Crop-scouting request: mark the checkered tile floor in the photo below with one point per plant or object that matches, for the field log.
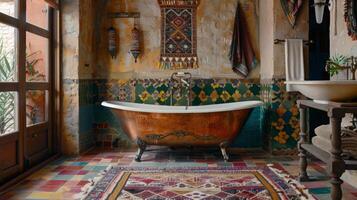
(67, 177)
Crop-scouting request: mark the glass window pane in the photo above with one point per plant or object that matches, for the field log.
(8, 51)
(37, 13)
(8, 112)
(36, 58)
(36, 107)
(8, 7)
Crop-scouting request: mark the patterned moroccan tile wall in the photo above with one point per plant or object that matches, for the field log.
(278, 119)
(203, 92)
(281, 118)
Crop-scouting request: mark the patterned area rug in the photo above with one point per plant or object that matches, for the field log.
(197, 183)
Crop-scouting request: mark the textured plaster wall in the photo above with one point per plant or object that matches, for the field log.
(266, 20)
(214, 30)
(274, 25)
(70, 62)
(341, 43)
(78, 61)
(70, 35)
(86, 40)
(283, 30)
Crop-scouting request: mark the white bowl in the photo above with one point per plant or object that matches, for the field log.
(324, 91)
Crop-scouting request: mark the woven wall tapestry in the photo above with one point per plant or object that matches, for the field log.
(178, 34)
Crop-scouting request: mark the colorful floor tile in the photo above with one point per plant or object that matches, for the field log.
(66, 178)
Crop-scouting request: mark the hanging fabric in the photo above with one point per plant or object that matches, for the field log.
(241, 54)
(291, 9)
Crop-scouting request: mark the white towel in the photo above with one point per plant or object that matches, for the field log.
(294, 61)
(324, 131)
(349, 151)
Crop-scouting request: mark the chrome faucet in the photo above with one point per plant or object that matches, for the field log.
(180, 82)
(351, 66)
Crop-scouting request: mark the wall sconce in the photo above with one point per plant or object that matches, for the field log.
(135, 43)
(319, 9)
(112, 42)
(135, 34)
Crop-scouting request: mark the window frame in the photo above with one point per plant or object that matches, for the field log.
(20, 86)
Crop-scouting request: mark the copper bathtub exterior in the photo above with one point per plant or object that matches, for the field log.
(194, 129)
(175, 129)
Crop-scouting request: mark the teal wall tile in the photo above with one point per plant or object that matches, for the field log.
(107, 124)
(251, 135)
(86, 117)
(86, 114)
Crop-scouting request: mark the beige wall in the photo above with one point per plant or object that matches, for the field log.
(78, 41)
(340, 42)
(86, 39)
(214, 30)
(70, 35)
(266, 21)
(283, 30)
(70, 62)
(274, 25)
(78, 60)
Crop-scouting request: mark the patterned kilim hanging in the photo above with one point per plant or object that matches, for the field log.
(178, 34)
(291, 9)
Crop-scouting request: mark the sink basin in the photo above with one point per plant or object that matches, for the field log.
(325, 91)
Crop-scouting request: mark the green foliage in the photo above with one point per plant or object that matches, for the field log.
(7, 99)
(31, 62)
(335, 63)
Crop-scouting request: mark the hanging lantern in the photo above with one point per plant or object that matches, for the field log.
(135, 45)
(112, 45)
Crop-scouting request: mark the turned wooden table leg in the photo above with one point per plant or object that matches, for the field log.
(302, 153)
(337, 165)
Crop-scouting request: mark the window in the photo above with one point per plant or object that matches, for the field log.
(8, 53)
(8, 7)
(37, 13)
(27, 81)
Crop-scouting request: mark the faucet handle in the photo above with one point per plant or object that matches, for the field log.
(181, 75)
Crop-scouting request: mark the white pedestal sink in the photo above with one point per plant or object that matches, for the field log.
(326, 91)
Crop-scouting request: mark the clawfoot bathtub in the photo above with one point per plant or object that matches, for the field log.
(175, 126)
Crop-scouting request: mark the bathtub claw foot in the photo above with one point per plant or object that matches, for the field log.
(223, 147)
(142, 146)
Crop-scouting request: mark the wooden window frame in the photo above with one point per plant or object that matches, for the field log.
(52, 84)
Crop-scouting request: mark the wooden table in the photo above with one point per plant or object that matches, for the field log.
(336, 165)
